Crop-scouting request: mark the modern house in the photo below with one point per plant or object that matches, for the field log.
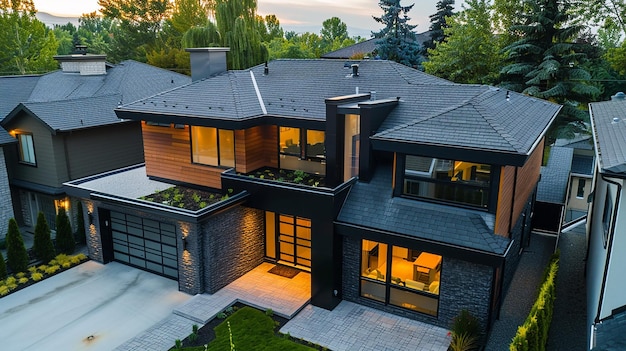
(606, 256)
(367, 48)
(6, 206)
(65, 127)
(581, 177)
(421, 194)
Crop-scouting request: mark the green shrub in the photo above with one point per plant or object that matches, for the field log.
(42, 245)
(36, 276)
(463, 342)
(4, 290)
(3, 267)
(16, 252)
(22, 280)
(65, 239)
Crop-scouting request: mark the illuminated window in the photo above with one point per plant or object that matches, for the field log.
(26, 148)
(412, 281)
(447, 180)
(212, 146)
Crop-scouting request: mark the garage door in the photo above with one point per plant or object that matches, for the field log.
(144, 243)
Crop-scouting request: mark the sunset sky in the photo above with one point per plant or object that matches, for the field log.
(296, 15)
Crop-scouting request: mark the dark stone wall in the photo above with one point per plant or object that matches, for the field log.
(464, 285)
(233, 243)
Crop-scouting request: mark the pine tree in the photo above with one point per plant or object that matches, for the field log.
(547, 63)
(3, 267)
(17, 256)
(65, 239)
(80, 223)
(397, 40)
(438, 23)
(43, 247)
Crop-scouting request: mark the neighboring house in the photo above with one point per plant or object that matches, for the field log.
(552, 191)
(6, 205)
(429, 185)
(581, 177)
(367, 48)
(66, 128)
(606, 301)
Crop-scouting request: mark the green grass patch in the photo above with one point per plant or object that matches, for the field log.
(249, 329)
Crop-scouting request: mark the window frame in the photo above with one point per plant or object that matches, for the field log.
(607, 214)
(303, 152)
(218, 146)
(580, 191)
(30, 149)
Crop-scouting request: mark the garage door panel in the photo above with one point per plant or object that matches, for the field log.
(154, 257)
(118, 226)
(137, 231)
(120, 236)
(138, 262)
(154, 267)
(153, 245)
(121, 257)
(137, 253)
(152, 236)
(170, 272)
(166, 240)
(170, 262)
(135, 240)
(120, 247)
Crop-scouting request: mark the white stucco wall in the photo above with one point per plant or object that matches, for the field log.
(6, 205)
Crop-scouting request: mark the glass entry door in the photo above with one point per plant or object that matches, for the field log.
(294, 240)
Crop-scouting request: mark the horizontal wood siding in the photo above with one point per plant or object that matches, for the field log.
(167, 152)
(102, 149)
(527, 178)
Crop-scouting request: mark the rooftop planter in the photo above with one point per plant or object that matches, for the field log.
(186, 198)
(287, 176)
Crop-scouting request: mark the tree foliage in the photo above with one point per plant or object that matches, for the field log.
(438, 23)
(17, 258)
(239, 30)
(397, 39)
(42, 245)
(471, 53)
(65, 239)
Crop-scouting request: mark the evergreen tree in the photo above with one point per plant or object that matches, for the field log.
(3, 267)
(80, 223)
(65, 239)
(43, 247)
(397, 39)
(17, 256)
(545, 62)
(438, 23)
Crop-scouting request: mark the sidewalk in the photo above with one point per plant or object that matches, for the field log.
(567, 331)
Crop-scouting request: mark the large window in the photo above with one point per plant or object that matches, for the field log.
(447, 180)
(351, 146)
(26, 148)
(400, 276)
(302, 149)
(212, 146)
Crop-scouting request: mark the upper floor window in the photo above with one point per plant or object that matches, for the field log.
(26, 148)
(212, 146)
(303, 143)
(461, 182)
(580, 192)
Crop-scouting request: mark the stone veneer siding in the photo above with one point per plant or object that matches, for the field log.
(6, 205)
(464, 285)
(233, 244)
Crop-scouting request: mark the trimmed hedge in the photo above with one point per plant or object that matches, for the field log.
(65, 239)
(43, 247)
(17, 257)
(533, 334)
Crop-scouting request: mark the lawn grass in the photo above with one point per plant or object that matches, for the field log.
(250, 329)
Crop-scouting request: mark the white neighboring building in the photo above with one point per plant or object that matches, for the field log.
(606, 263)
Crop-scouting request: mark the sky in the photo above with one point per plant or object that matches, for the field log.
(297, 15)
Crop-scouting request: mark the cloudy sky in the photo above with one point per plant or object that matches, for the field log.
(296, 15)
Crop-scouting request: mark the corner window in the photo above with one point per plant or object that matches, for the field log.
(302, 149)
(580, 192)
(26, 148)
(400, 276)
(606, 216)
(212, 146)
(461, 182)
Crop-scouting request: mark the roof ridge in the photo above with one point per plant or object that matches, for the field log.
(70, 99)
(497, 127)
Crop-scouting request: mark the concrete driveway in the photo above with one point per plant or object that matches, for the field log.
(112, 303)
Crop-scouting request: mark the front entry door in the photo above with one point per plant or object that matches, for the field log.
(294, 240)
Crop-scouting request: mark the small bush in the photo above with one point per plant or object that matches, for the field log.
(20, 275)
(22, 280)
(10, 281)
(65, 238)
(52, 269)
(16, 252)
(43, 247)
(36, 276)
(4, 290)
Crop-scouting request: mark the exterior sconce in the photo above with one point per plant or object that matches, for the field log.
(90, 217)
(184, 243)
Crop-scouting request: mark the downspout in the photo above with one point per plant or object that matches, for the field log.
(609, 248)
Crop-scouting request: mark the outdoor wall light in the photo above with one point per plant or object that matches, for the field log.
(90, 217)
(184, 243)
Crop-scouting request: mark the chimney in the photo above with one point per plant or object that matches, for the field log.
(207, 62)
(618, 96)
(83, 63)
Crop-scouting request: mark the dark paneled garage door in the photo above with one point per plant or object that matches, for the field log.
(145, 243)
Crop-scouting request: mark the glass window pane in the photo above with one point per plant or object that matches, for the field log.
(26, 148)
(351, 146)
(315, 143)
(289, 140)
(374, 260)
(227, 148)
(414, 301)
(204, 145)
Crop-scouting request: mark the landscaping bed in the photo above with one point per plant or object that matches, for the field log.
(289, 176)
(187, 198)
(244, 328)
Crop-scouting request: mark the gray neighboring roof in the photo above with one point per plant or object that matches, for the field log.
(582, 164)
(6, 138)
(610, 333)
(608, 121)
(371, 205)
(367, 47)
(13, 90)
(581, 142)
(552, 187)
(67, 101)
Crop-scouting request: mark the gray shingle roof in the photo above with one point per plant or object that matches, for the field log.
(13, 90)
(371, 205)
(608, 121)
(367, 47)
(552, 187)
(61, 100)
(582, 164)
(6, 138)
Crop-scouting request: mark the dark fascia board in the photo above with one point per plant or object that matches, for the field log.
(611, 174)
(451, 152)
(356, 107)
(22, 108)
(224, 123)
(44, 189)
(444, 249)
(346, 99)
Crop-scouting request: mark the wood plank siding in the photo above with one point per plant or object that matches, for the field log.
(167, 151)
(510, 209)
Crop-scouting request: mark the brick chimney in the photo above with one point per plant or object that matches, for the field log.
(207, 62)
